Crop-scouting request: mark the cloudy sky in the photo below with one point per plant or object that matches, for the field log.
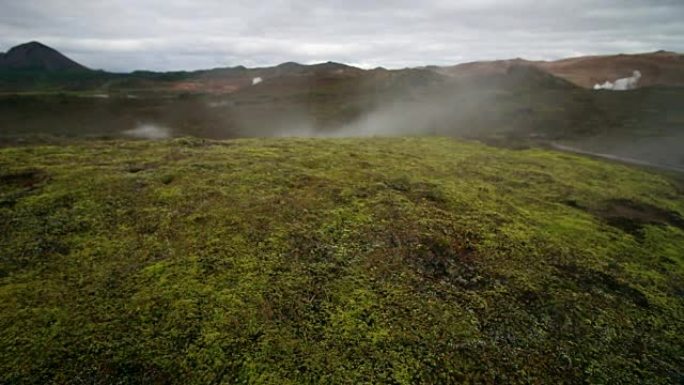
(190, 34)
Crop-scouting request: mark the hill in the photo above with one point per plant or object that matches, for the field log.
(658, 68)
(283, 261)
(36, 67)
(37, 56)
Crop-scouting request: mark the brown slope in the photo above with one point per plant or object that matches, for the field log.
(481, 68)
(276, 79)
(657, 68)
(506, 73)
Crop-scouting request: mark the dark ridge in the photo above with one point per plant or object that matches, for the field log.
(37, 56)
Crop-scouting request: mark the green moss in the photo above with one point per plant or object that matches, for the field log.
(404, 260)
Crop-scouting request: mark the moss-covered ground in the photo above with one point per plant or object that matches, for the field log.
(343, 261)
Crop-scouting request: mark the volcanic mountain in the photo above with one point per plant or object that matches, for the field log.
(37, 56)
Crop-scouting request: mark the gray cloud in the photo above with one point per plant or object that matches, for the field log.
(182, 34)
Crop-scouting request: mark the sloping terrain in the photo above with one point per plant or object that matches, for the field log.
(406, 260)
(660, 68)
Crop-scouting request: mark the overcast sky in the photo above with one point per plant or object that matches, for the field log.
(192, 34)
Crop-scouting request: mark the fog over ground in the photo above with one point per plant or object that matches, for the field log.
(179, 34)
(148, 131)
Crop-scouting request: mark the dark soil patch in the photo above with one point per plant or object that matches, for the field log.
(631, 216)
(23, 179)
(592, 280)
(441, 259)
(136, 168)
(418, 191)
(16, 185)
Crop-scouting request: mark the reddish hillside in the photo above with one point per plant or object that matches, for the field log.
(657, 68)
(481, 68)
(272, 79)
(515, 72)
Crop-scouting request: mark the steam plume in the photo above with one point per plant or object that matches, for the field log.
(623, 84)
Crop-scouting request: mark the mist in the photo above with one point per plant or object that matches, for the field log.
(455, 112)
(149, 131)
(516, 108)
(623, 84)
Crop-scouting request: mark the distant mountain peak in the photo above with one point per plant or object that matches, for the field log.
(665, 53)
(31, 44)
(35, 55)
(289, 64)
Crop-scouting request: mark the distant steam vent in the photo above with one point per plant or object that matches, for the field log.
(149, 131)
(257, 80)
(623, 84)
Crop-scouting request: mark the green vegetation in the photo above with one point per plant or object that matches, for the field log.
(406, 260)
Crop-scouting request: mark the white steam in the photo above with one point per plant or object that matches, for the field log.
(257, 80)
(623, 84)
(149, 131)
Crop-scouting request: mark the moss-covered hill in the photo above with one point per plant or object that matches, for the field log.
(336, 261)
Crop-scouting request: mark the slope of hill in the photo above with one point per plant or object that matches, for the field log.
(37, 56)
(480, 68)
(507, 74)
(294, 261)
(657, 68)
(287, 76)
